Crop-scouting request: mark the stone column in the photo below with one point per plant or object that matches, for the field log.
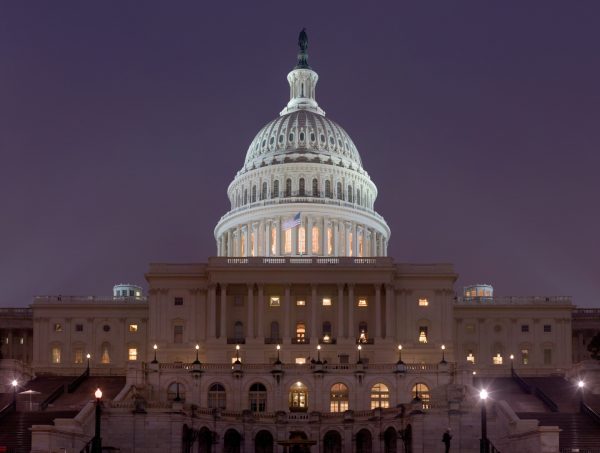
(355, 239)
(229, 243)
(295, 234)
(250, 323)
(279, 237)
(389, 310)
(223, 330)
(286, 314)
(247, 239)
(254, 231)
(315, 332)
(212, 312)
(260, 309)
(378, 311)
(373, 243)
(340, 304)
(351, 329)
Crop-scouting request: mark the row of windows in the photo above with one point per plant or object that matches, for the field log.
(58, 327)
(298, 396)
(547, 328)
(349, 194)
(523, 357)
(79, 354)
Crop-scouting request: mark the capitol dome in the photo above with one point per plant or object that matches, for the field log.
(302, 189)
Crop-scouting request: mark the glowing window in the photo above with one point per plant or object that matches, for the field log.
(243, 244)
(300, 332)
(380, 396)
(360, 245)
(274, 301)
(315, 240)
(338, 398)
(133, 328)
(301, 240)
(132, 354)
(497, 359)
(423, 302)
(326, 302)
(525, 356)
(362, 303)
(105, 354)
(421, 392)
(56, 354)
(471, 357)
(350, 244)
(300, 360)
(423, 334)
(300, 302)
(298, 398)
(252, 249)
(273, 241)
(329, 241)
(287, 247)
(58, 327)
(78, 355)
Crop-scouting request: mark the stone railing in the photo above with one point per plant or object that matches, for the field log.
(518, 300)
(16, 312)
(305, 260)
(586, 313)
(89, 300)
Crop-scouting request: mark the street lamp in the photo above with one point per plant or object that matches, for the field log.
(88, 357)
(443, 354)
(97, 441)
(196, 365)
(15, 383)
(319, 353)
(580, 385)
(400, 362)
(359, 347)
(484, 444)
(237, 354)
(155, 347)
(278, 362)
(512, 359)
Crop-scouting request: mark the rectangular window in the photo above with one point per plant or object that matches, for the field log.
(329, 241)
(362, 302)
(360, 246)
(471, 357)
(350, 244)
(547, 328)
(78, 327)
(132, 354)
(178, 301)
(497, 359)
(300, 360)
(315, 240)
(525, 356)
(287, 245)
(525, 328)
(300, 302)
(547, 356)
(178, 334)
(423, 334)
(273, 241)
(302, 240)
(423, 302)
(78, 355)
(252, 250)
(22, 340)
(58, 327)
(133, 328)
(327, 302)
(56, 355)
(274, 301)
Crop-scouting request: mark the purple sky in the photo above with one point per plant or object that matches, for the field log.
(122, 124)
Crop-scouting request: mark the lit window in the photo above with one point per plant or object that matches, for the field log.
(133, 328)
(380, 396)
(423, 302)
(78, 355)
(22, 340)
(423, 334)
(298, 398)
(274, 301)
(350, 244)
(252, 250)
(338, 398)
(178, 301)
(273, 241)
(105, 355)
(363, 336)
(301, 240)
(524, 356)
(497, 359)
(547, 328)
(300, 360)
(360, 245)
(56, 354)
(329, 241)
(132, 354)
(300, 332)
(326, 302)
(315, 240)
(138, 294)
(287, 247)
(300, 302)
(58, 327)
(178, 334)
(362, 303)
(243, 244)
(471, 357)
(421, 392)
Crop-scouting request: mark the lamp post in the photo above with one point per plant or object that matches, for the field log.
(97, 441)
(443, 354)
(196, 365)
(278, 362)
(15, 384)
(484, 444)
(580, 386)
(400, 362)
(319, 353)
(512, 367)
(155, 347)
(359, 347)
(88, 357)
(237, 354)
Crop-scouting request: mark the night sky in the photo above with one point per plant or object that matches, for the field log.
(122, 124)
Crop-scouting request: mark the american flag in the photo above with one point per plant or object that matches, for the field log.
(291, 222)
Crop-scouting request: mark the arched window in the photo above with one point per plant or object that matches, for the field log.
(350, 194)
(420, 391)
(340, 192)
(300, 332)
(176, 392)
(315, 188)
(288, 187)
(263, 195)
(328, 189)
(275, 332)
(338, 398)
(56, 354)
(275, 193)
(298, 400)
(326, 332)
(238, 332)
(216, 397)
(105, 353)
(258, 397)
(363, 332)
(301, 189)
(253, 194)
(380, 396)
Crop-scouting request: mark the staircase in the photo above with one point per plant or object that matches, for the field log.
(505, 388)
(578, 430)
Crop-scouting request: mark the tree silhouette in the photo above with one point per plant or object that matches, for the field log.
(594, 346)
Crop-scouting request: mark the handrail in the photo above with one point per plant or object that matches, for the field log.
(87, 448)
(10, 407)
(519, 380)
(78, 380)
(53, 396)
(550, 404)
(587, 410)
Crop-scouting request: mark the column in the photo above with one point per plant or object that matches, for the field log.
(212, 312)
(309, 223)
(315, 332)
(351, 328)
(378, 311)
(248, 229)
(254, 230)
(354, 239)
(279, 238)
(286, 314)
(229, 243)
(268, 238)
(373, 243)
(250, 322)
(260, 309)
(340, 304)
(389, 310)
(295, 232)
(223, 331)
